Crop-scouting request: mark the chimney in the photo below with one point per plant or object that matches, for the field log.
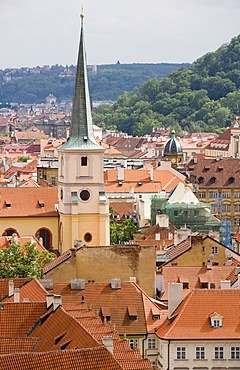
(107, 341)
(133, 279)
(181, 235)
(209, 265)
(77, 284)
(175, 296)
(162, 220)
(57, 301)
(116, 283)
(16, 295)
(49, 299)
(120, 175)
(225, 284)
(10, 287)
(46, 283)
(151, 173)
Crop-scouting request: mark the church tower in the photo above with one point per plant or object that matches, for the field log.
(83, 207)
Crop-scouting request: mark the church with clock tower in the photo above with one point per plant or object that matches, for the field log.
(82, 204)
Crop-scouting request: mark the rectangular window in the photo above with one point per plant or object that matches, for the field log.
(226, 207)
(237, 194)
(74, 197)
(83, 161)
(214, 250)
(203, 250)
(226, 194)
(202, 194)
(236, 207)
(181, 353)
(216, 323)
(213, 194)
(200, 353)
(151, 343)
(53, 181)
(133, 343)
(236, 221)
(235, 353)
(218, 353)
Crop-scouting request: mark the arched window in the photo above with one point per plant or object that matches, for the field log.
(84, 161)
(10, 232)
(46, 237)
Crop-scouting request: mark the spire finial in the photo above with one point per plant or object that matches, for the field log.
(82, 15)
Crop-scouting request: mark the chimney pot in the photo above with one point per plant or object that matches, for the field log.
(116, 283)
(10, 287)
(16, 295)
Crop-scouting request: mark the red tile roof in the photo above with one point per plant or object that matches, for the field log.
(85, 359)
(25, 203)
(191, 318)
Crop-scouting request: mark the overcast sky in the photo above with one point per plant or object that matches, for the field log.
(34, 32)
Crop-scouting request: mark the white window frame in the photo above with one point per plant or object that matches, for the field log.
(181, 353)
(216, 323)
(152, 343)
(235, 353)
(133, 343)
(219, 353)
(200, 353)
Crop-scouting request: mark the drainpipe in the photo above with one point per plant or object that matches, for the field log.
(168, 367)
(143, 347)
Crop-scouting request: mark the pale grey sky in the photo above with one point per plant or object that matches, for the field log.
(132, 31)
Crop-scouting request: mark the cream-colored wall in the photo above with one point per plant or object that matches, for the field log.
(101, 264)
(30, 225)
(191, 361)
(76, 226)
(196, 257)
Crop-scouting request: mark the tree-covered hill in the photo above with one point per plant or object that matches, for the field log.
(110, 81)
(203, 97)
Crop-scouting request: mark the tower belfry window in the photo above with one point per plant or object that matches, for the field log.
(84, 161)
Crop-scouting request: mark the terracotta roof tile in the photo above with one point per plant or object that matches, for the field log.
(86, 359)
(24, 203)
(192, 316)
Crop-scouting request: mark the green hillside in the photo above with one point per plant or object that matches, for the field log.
(203, 97)
(108, 83)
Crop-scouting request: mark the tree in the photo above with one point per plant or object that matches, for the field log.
(25, 260)
(121, 232)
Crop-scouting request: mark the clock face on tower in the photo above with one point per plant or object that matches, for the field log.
(84, 195)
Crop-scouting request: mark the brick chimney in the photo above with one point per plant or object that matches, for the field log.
(10, 287)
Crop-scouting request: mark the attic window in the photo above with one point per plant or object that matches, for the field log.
(200, 180)
(215, 320)
(206, 168)
(119, 183)
(139, 183)
(64, 346)
(8, 204)
(213, 180)
(57, 340)
(132, 312)
(106, 313)
(41, 203)
(156, 317)
(231, 180)
(155, 313)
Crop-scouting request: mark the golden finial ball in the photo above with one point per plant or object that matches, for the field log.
(81, 15)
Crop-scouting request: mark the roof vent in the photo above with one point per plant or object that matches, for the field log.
(116, 283)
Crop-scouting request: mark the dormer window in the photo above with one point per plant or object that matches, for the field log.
(106, 313)
(215, 320)
(8, 204)
(139, 183)
(213, 180)
(132, 312)
(41, 203)
(231, 180)
(200, 180)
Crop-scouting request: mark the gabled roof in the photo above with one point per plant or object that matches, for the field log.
(191, 319)
(117, 301)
